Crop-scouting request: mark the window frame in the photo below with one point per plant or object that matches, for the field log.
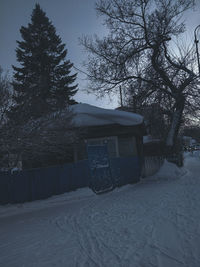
(105, 138)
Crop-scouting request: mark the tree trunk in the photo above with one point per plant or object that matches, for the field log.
(175, 125)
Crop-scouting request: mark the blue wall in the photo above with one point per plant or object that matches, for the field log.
(29, 185)
(125, 170)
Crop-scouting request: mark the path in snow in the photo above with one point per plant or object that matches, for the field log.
(153, 223)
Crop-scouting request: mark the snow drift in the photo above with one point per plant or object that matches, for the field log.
(168, 171)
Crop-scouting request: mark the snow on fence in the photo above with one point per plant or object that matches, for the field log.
(151, 165)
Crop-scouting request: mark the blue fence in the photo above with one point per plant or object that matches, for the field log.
(42, 183)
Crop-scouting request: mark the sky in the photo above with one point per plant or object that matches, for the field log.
(72, 19)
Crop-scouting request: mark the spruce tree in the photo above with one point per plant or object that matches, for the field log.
(42, 84)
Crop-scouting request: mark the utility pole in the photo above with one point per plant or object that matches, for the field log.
(196, 43)
(120, 92)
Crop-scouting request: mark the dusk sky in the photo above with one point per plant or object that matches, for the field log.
(72, 19)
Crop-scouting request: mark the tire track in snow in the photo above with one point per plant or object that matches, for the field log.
(179, 212)
(189, 223)
(93, 240)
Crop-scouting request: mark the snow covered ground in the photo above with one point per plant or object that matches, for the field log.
(153, 223)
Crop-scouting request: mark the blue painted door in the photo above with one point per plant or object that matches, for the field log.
(98, 158)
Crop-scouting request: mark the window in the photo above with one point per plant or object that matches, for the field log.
(111, 142)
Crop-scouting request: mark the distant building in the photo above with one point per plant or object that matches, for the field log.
(188, 141)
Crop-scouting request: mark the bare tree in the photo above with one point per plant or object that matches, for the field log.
(138, 48)
(157, 106)
(42, 142)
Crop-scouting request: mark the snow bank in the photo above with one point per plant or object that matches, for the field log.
(192, 161)
(168, 171)
(53, 201)
(88, 115)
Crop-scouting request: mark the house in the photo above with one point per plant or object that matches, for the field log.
(120, 132)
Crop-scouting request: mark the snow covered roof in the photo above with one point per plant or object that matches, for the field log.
(88, 115)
